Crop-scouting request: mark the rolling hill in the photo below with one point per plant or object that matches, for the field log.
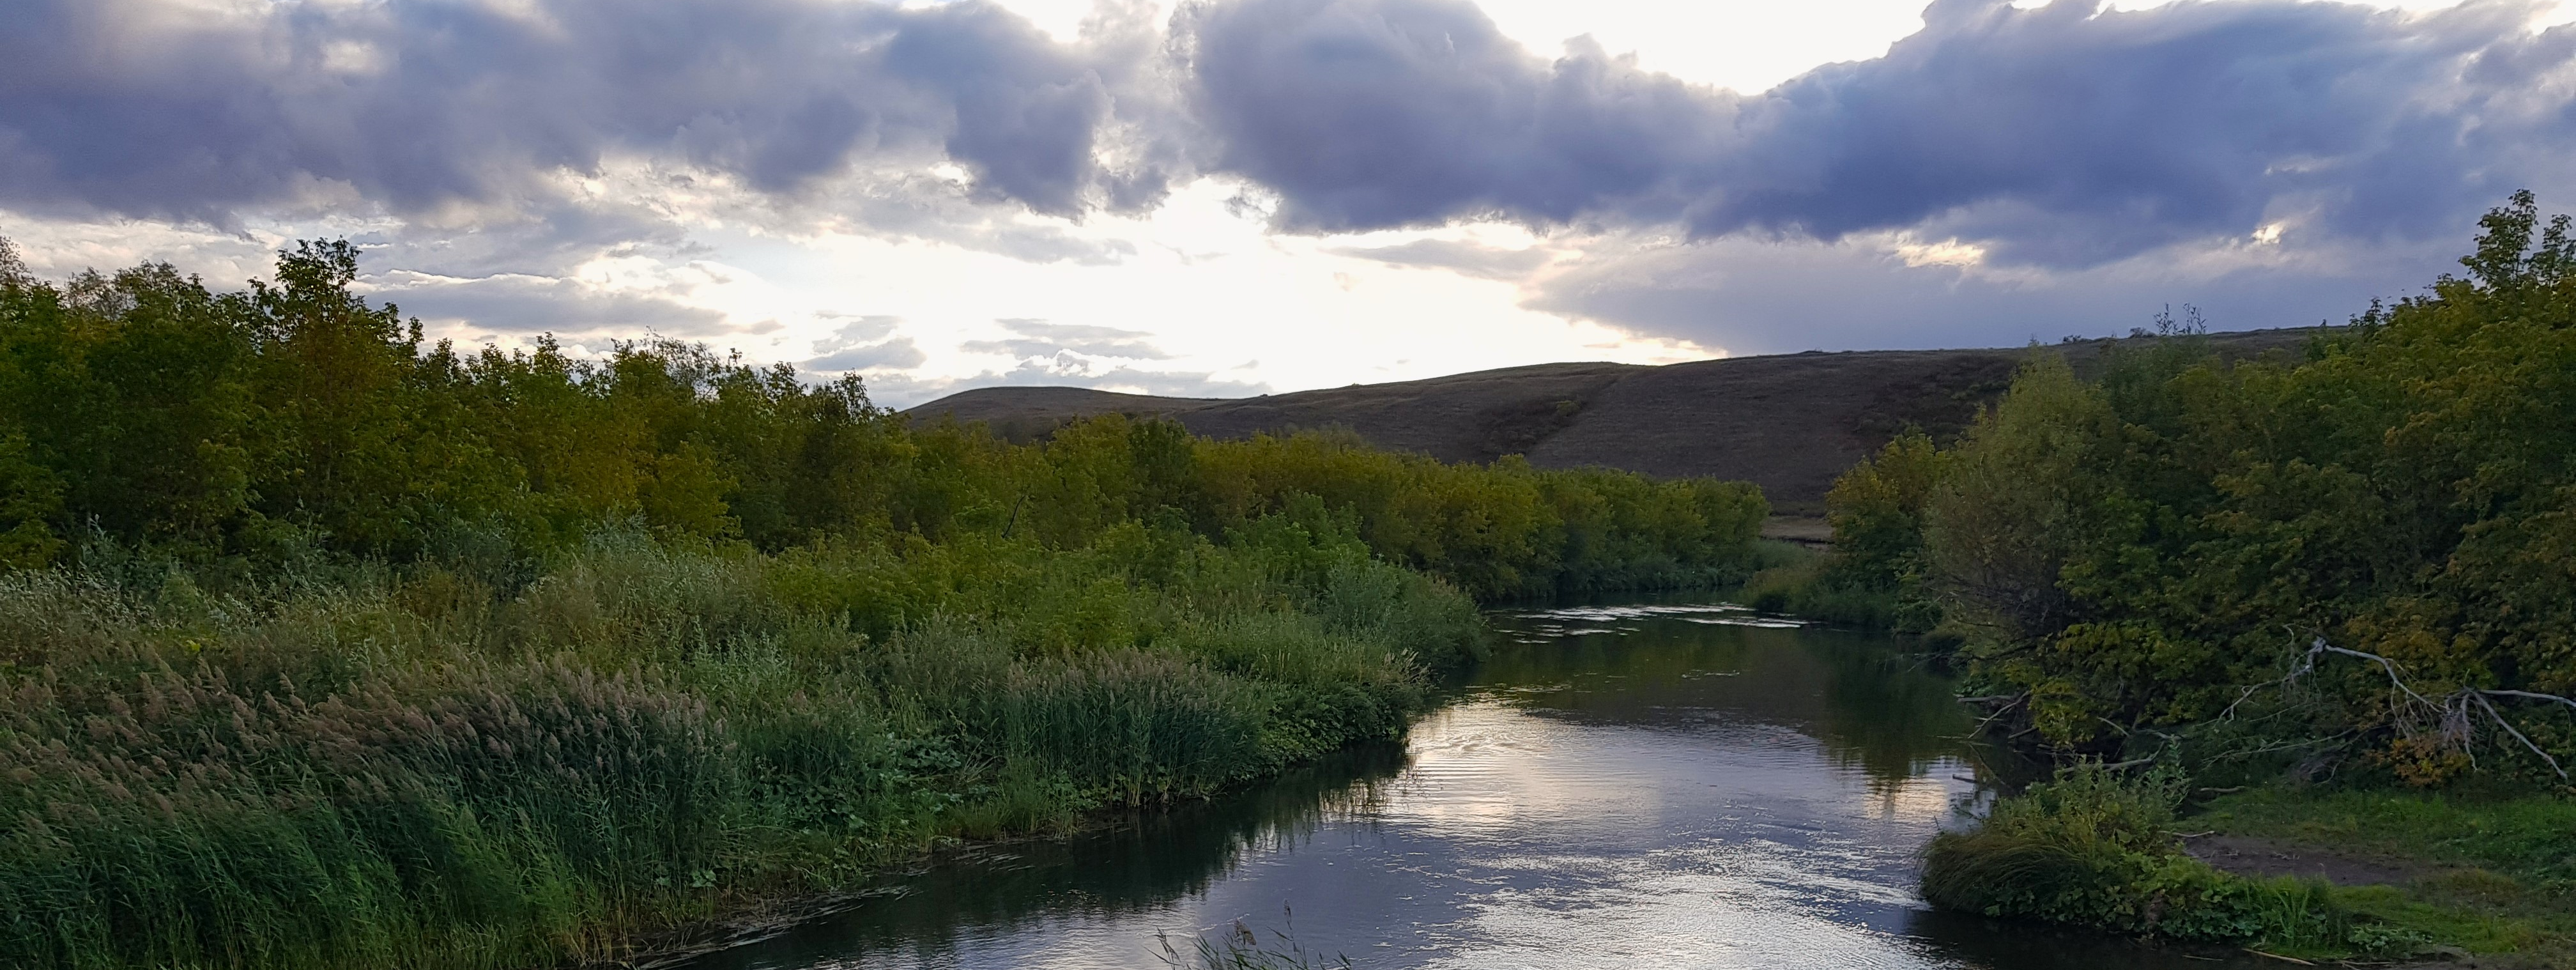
(1789, 423)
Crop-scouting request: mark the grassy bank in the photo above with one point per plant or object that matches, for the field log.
(2490, 872)
(381, 768)
(2097, 849)
(2438, 874)
(2341, 569)
(325, 645)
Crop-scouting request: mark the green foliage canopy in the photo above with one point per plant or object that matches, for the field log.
(2160, 545)
(296, 417)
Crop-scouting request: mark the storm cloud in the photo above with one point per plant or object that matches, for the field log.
(156, 109)
(2064, 135)
(518, 166)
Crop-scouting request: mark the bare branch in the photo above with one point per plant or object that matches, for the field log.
(2528, 695)
(2517, 735)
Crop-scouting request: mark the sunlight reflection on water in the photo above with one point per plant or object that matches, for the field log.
(1662, 785)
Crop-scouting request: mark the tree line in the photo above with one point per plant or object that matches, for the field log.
(297, 418)
(2357, 559)
(327, 645)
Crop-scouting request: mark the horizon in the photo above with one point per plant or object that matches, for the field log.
(1228, 199)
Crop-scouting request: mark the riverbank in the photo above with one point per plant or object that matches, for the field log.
(327, 645)
(2305, 873)
(2490, 874)
(418, 770)
(1669, 783)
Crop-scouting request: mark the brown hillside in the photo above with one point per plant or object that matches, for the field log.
(1789, 423)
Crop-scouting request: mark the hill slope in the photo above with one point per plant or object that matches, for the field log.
(1789, 423)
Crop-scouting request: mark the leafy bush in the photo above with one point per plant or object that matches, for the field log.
(2163, 546)
(2092, 848)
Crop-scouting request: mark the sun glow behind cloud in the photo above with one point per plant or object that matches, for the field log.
(1220, 305)
(927, 273)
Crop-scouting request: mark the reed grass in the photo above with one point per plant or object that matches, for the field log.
(452, 766)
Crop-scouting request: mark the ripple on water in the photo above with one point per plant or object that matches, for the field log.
(1673, 785)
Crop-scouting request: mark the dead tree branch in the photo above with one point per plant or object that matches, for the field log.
(2452, 714)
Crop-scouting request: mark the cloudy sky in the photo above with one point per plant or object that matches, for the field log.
(1228, 197)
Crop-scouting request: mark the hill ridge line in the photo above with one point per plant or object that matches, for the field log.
(1787, 422)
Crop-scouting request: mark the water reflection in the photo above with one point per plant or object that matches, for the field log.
(1685, 786)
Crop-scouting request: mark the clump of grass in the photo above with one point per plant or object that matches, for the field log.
(2095, 848)
(418, 767)
(1239, 948)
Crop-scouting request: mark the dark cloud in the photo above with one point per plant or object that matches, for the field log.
(1038, 338)
(1375, 113)
(2095, 149)
(139, 108)
(2072, 136)
(1752, 296)
(2065, 135)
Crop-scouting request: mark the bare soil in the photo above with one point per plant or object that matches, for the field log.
(2261, 858)
(1810, 531)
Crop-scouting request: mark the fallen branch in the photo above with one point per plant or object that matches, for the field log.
(2528, 695)
(1998, 713)
(2517, 735)
(2452, 712)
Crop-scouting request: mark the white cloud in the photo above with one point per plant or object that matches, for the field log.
(898, 266)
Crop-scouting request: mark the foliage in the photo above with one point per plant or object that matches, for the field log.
(2495, 870)
(2146, 557)
(2091, 848)
(2527, 838)
(255, 427)
(324, 645)
(1873, 578)
(394, 771)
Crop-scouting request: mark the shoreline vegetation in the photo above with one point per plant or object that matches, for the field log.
(327, 646)
(2320, 601)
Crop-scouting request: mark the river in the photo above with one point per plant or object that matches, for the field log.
(1674, 785)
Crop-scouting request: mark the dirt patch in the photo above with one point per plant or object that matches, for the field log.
(1814, 533)
(2259, 858)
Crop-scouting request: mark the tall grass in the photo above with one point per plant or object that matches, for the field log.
(445, 767)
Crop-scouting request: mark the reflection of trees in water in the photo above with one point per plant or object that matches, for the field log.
(1870, 705)
(1874, 707)
(1144, 864)
(1886, 715)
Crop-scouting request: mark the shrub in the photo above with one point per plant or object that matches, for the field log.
(2093, 848)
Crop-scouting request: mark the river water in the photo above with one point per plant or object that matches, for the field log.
(1671, 785)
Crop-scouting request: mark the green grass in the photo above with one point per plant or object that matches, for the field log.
(2497, 871)
(365, 767)
(2097, 849)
